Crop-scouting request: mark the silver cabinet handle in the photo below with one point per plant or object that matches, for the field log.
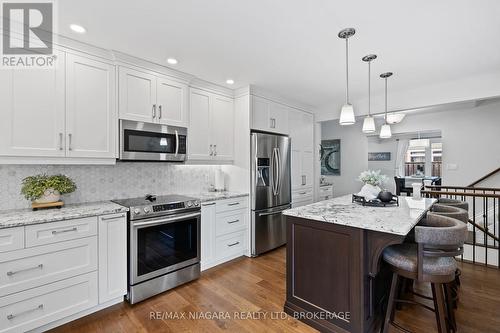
(10, 273)
(176, 142)
(302, 193)
(208, 204)
(211, 150)
(112, 217)
(159, 111)
(233, 204)
(273, 123)
(154, 111)
(231, 222)
(233, 244)
(55, 232)
(304, 182)
(12, 316)
(215, 150)
(69, 141)
(60, 141)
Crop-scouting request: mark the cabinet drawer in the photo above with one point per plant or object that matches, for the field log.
(301, 195)
(11, 239)
(33, 267)
(47, 233)
(231, 204)
(231, 221)
(325, 190)
(35, 307)
(230, 245)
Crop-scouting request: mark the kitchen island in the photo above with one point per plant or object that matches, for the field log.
(334, 278)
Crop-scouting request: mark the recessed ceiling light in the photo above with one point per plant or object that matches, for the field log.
(172, 61)
(78, 28)
(230, 81)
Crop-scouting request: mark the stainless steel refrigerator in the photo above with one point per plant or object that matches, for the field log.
(270, 190)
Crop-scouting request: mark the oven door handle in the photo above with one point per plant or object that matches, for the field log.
(167, 220)
(176, 142)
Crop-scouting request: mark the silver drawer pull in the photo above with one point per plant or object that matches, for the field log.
(10, 273)
(302, 193)
(233, 204)
(12, 316)
(55, 232)
(112, 217)
(230, 245)
(231, 222)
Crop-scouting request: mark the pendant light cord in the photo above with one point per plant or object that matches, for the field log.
(369, 89)
(385, 101)
(347, 70)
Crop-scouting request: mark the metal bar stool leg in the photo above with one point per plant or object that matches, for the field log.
(389, 314)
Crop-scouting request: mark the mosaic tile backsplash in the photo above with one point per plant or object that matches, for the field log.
(107, 182)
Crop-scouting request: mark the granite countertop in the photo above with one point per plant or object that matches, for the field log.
(22, 217)
(391, 219)
(213, 196)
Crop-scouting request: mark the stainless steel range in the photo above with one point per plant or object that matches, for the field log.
(163, 243)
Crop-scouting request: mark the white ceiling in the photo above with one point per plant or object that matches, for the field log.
(291, 47)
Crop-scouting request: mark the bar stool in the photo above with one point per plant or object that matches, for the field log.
(454, 203)
(438, 240)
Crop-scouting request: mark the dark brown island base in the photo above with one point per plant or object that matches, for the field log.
(335, 280)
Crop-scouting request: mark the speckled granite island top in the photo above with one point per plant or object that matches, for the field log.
(392, 219)
(22, 217)
(213, 196)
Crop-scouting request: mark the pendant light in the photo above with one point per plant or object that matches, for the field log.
(385, 130)
(347, 112)
(369, 122)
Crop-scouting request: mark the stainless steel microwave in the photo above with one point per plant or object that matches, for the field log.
(141, 141)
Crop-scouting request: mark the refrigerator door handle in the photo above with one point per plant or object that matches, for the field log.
(275, 172)
(278, 186)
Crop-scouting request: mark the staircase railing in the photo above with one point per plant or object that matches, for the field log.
(484, 177)
(484, 219)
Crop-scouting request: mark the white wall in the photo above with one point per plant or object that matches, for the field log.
(386, 167)
(354, 155)
(470, 136)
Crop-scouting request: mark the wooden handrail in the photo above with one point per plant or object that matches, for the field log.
(484, 177)
(464, 188)
(483, 229)
(462, 194)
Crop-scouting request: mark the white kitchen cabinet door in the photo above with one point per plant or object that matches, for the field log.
(260, 113)
(137, 95)
(278, 114)
(112, 257)
(32, 111)
(307, 168)
(222, 127)
(296, 169)
(301, 130)
(90, 108)
(208, 218)
(171, 100)
(308, 132)
(199, 129)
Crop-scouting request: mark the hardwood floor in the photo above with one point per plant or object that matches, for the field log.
(256, 287)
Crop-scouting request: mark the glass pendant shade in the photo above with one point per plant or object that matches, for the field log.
(369, 125)
(395, 118)
(385, 131)
(347, 115)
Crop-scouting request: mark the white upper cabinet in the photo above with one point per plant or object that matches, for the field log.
(137, 95)
(222, 127)
(171, 102)
(199, 146)
(32, 111)
(152, 98)
(211, 127)
(269, 116)
(90, 108)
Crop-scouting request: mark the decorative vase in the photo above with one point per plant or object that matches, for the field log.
(369, 192)
(49, 195)
(385, 196)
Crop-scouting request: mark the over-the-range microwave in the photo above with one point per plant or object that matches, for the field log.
(140, 141)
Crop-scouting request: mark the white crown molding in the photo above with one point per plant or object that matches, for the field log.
(256, 91)
(211, 87)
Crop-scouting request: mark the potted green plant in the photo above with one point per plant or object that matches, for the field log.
(372, 181)
(45, 189)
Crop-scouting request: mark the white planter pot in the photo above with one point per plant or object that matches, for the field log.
(50, 195)
(370, 192)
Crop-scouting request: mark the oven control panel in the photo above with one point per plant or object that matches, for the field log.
(167, 207)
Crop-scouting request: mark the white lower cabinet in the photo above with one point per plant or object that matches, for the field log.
(62, 269)
(224, 227)
(112, 257)
(35, 307)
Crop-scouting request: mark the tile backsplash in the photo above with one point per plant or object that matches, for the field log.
(106, 182)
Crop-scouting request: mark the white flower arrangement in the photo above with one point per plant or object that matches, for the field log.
(372, 177)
